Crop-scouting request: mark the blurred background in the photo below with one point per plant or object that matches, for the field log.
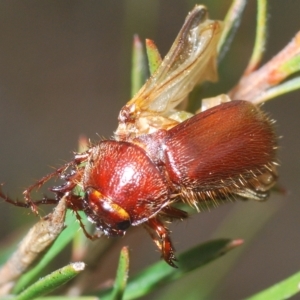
(65, 72)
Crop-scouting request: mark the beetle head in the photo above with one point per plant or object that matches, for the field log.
(108, 216)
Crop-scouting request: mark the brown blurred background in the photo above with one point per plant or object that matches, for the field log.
(65, 71)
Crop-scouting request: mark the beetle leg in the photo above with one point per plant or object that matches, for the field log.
(74, 203)
(71, 182)
(160, 236)
(173, 213)
(79, 158)
(45, 200)
(13, 202)
(89, 236)
(39, 183)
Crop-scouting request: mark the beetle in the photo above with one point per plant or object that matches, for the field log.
(157, 159)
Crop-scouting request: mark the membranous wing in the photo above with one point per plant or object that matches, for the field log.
(191, 60)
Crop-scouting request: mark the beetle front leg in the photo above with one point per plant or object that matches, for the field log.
(160, 236)
(68, 186)
(45, 200)
(173, 213)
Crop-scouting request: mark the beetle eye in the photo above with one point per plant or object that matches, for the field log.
(123, 225)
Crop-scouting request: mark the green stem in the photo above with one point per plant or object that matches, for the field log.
(231, 24)
(260, 37)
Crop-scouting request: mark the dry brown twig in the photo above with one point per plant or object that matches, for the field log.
(253, 86)
(39, 238)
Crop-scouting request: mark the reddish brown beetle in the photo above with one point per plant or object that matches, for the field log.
(156, 159)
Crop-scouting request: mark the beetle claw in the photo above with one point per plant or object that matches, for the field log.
(160, 236)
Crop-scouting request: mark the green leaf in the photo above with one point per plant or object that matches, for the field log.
(281, 89)
(66, 298)
(291, 66)
(282, 290)
(138, 69)
(260, 36)
(52, 281)
(244, 220)
(231, 24)
(153, 55)
(161, 274)
(122, 275)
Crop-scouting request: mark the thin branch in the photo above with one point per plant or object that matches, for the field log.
(260, 37)
(253, 85)
(39, 238)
